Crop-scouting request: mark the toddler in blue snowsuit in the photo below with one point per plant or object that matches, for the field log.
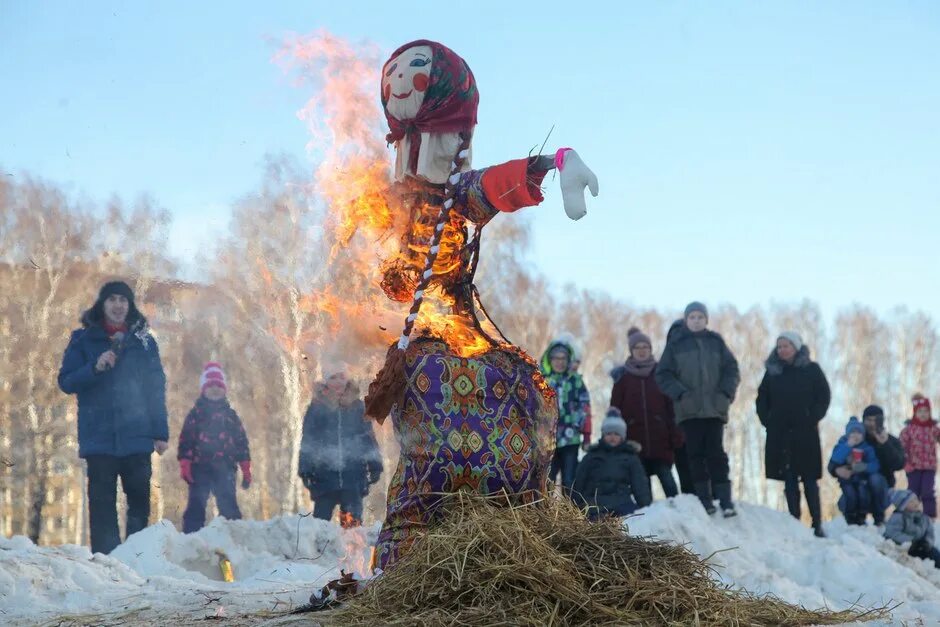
(855, 464)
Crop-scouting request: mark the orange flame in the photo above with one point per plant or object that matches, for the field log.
(358, 557)
(347, 520)
(367, 221)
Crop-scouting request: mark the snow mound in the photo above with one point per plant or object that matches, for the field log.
(765, 551)
(162, 574)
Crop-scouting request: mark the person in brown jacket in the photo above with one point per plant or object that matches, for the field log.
(647, 411)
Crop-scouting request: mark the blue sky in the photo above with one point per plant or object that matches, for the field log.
(747, 152)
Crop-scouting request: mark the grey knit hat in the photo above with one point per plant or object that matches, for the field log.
(695, 306)
(900, 498)
(635, 336)
(793, 337)
(613, 423)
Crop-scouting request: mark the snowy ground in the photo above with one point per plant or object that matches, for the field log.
(162, 576)
(770, 552)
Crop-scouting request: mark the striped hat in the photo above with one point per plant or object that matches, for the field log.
(212, 375)
(900, 498)
(614, 423)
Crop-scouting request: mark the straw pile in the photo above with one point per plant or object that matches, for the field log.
(545, 564)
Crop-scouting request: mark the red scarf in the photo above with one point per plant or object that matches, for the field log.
(111, 329)
(450, 103)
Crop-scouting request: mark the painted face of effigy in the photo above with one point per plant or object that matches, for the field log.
(405, 80)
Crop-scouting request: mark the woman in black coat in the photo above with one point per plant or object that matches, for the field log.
(793, 397)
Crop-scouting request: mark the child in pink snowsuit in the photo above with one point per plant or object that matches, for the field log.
(919, 439)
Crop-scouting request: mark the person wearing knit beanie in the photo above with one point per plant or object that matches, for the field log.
(922, 409)
(919, 437)
(212, 377)
(115, 314)
(635, 337)
(854, 426)
(900, 498)
(112, 365)
(693, 307)
(614, 424)
(700, 374)
(854, 463)
(649, 415)
(610, 480)
(792, 399)
(212, 445)
(909, 523)
(116, 287)
(794, 338)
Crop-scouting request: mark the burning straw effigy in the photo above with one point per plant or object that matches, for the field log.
(544, 563)
(470, 410)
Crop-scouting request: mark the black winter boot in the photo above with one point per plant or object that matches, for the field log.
(703, 489)
(723, 492)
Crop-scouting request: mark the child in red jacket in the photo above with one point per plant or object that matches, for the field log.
(212, 442)
(919, 439)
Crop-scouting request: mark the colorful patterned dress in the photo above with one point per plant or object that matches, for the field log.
(484, 424)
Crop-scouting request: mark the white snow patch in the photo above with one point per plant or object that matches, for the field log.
(765, 551)
(164, 574)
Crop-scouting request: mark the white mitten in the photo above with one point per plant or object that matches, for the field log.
(574, 176)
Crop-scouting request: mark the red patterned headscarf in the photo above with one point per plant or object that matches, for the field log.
(450, 102)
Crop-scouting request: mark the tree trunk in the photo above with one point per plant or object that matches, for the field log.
(156, 490)
(292, 384)
(34, 530)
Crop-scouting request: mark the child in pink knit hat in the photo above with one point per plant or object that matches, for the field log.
(213, 441)
(919, 439)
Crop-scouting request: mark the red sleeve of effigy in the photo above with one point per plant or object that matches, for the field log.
(511, 186)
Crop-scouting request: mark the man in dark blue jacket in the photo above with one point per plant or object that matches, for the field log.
(113, 365)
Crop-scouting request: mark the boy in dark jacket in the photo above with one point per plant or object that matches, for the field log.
(855, 465)
(699, 373)
(339, 455)
(887, 447)
(909, 523)
(610, 479)
(213, 441)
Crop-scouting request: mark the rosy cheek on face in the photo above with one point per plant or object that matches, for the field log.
(386, 91)
(420, 81)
